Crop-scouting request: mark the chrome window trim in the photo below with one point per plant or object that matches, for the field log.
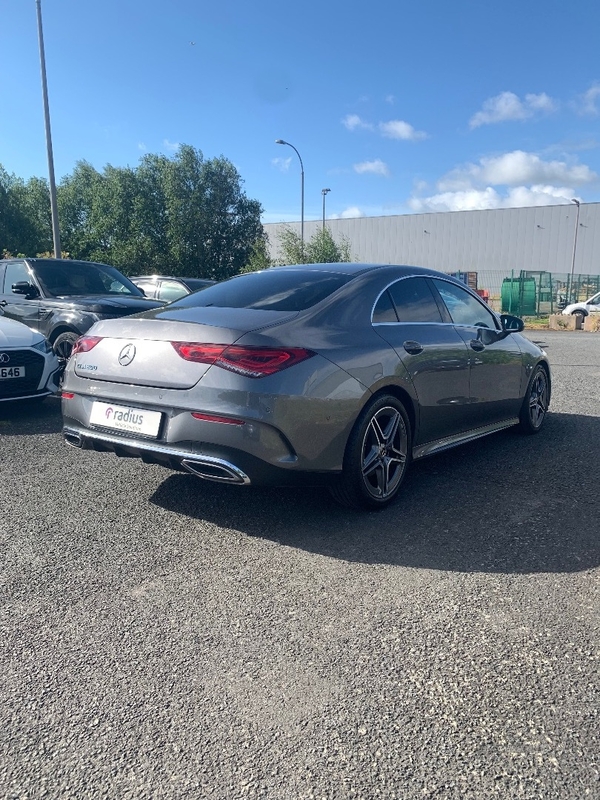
(397, 280)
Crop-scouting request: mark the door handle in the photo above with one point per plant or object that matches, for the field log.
(413, 348)
(476, 345)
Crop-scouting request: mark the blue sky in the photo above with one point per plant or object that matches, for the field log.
(397, 107)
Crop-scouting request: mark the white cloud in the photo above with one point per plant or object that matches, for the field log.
(398, 129)
(282, 164)
(477, 199)
(507, 106)
(467, 200)
(354, 122)
(170, 145)
(142, 146)
(390, 99)
(510, 180)
(351, 212)
(587, 103)
(513, 169)
(377, 167)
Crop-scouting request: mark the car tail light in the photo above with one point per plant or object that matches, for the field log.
(254, 362)
(214, 418)
(85, 343)
(67, 395)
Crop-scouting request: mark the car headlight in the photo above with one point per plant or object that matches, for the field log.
(44, 346)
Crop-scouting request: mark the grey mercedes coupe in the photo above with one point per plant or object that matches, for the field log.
(335, 374)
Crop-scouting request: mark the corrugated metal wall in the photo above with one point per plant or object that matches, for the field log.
(539, 238)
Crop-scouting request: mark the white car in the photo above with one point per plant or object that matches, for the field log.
(29, 370)
(584, 308)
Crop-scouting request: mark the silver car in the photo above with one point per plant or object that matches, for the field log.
(336, 374)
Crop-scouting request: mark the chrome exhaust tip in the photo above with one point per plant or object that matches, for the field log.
(215, 470)
(72, 438)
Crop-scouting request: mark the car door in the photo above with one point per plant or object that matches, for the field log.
(496, 361)
(408, 317)
(18, 306)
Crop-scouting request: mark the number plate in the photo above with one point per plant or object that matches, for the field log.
(12, 372)
(126, 418)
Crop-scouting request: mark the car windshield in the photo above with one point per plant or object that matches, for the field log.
(62, 278)
(269, 290)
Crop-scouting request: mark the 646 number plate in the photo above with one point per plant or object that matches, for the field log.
(12, 372)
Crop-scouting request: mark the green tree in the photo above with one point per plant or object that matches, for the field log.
(320, 249)
(259, 257)
(184, 215)
(25, 222)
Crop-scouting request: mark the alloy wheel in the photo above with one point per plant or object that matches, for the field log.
(538, 399)
(384, 452)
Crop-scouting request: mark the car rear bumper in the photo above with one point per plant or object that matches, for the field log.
(212, 463)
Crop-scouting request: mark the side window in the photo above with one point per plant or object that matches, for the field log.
(171, 290)
(14, 274)
(464, 309)
(148, 287)
(414, 301)
(384, 310)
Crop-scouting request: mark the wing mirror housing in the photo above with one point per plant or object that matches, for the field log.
(25, 288)
(511, 324)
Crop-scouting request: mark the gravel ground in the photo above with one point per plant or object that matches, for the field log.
(162, 637)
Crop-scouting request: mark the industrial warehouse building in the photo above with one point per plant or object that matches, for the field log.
(508, 252)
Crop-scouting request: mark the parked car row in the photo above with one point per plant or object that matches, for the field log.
(47, 304)
(333, 374)
(62, 298)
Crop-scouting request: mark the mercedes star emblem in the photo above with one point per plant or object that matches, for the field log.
(127, 355)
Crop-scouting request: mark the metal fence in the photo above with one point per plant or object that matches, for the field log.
(530, 293)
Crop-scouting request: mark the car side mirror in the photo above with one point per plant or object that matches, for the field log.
(26, 288)
(511, 324)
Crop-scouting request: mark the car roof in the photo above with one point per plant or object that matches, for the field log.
(166, 278)
(358, 268)
(55, 261)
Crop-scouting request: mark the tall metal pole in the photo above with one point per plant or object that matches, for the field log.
(281, 141)
(574, 252)
(324, 192)
(53, 204)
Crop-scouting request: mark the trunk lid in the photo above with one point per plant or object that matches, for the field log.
(138, 350)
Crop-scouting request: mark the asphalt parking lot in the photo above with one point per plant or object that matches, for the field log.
(163, 637)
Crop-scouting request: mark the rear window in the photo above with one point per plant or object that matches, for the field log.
(270, 290)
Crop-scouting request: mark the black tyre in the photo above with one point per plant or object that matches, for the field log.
(579, 312)
(63, 344)
(377, 456)
(535, 403)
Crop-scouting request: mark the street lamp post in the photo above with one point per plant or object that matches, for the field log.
(281, 141)
(574, 252)
(324, 192)
(53, 203)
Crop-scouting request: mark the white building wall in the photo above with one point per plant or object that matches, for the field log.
(539, 238)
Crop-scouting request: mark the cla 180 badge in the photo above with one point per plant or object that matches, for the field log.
(127, 355)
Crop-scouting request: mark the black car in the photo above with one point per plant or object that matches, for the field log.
(169, 287)
(63, 298)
